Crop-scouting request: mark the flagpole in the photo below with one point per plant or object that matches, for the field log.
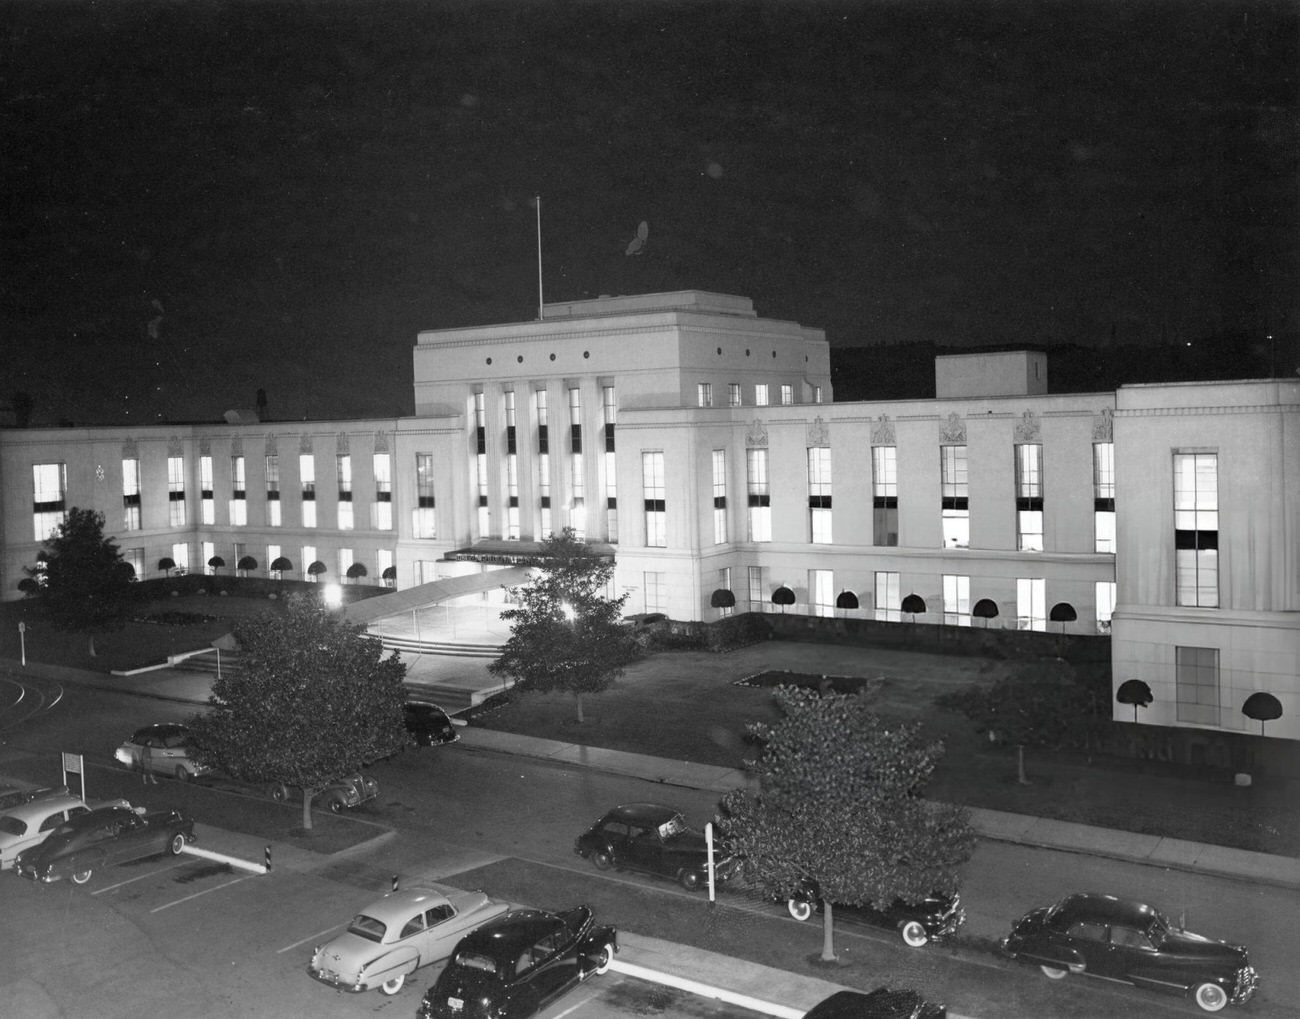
(541, 307)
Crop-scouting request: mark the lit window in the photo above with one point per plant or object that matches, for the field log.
(704, 394)
(757, 590)
(956, 600)
(884, 494)
(889, 599)
(821, 589)
(1196, 529)
(760, 394)
(719, 496)
(1103, 496)
(1029, 497)
(176, 491)
(956, 501)
(1196, 673)
(382, 509)
(307, 476)
(426, 524)
(1105, 600)
(656, 593)
(131, 494)
(343, 469)
(733, 394)
(787, 395)
(760, 498)
(724, 584)
(819, 494)
(207, 502)
(273, 491)
(652, 483)
(1031, 603)
(611, 465)
(238, 493)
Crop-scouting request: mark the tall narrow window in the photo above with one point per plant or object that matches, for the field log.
(543, 465)
(345, 562)
(131, 494)
(273, 491)
(1103, 496)
(308, 560)
(884, 494)
(611, 465)
(207, 550)
(656, 593)
(724, 584)
(1196, 674)
(238, 493)
(577, 471)
(704, 394)
(719, 496)
(760, 394)
(817, 394)
(889, 599)
(426, 523)
(1029, 497)
(1105, 601)
(176, 491)
(733, 394)
(757, 590)
(956, 600)
(381, 513)
(819, 494)
(481, 466)
(512, 467)
(387, 565)
(181, 557)
(207, 500)
(787, 394)
(134, 558)
(760, 496)
(343, 467)
(272, 554)
(821, 592)
(49, 498)
(1196, 529)
(1031, 603)
(956, 497)
(307, 476)
(652, 484)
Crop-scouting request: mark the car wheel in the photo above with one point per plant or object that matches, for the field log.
(688, 879)
(602, 859)
(176, 844)
(336, 805)
(278, 791)
(80, 877)
(800, 909)
(393, 985)
(182, 775)
(1054, 973)
(1211, 997)
(914, 935)
(604, 957)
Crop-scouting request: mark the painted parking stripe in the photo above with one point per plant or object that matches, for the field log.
(309, 937)
(214, 888)
(138, 877)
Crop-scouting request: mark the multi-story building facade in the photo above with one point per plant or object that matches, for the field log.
(701, 443)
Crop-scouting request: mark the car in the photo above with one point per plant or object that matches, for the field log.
(934, 918)
(29, 824)
(1131, 942)
(518, 963)
(396, 934)
(882, 1003)
(16, 796)
(428, 724)
(338, 795)
(166, 746)
(103, 837)
(651, 838)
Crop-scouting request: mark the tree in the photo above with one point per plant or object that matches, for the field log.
(316, 569)
(167, 564)
(246, 564)
(565, 635)
(216, 563)
(840, 804)
(83, 582)
(314, 698)
(356, 571)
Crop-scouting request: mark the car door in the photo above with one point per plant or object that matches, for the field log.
(1091, 942)
(433, 942)
(1133, 957)
(645, 850)
(131, 839)
(546, 970)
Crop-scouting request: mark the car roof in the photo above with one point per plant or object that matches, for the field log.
(397, 906)
(505, 937)
(161, 729)
(1100, 908)
(649, 814)
(95, 817)
(42, 806)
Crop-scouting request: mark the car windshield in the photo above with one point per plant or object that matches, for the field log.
(367, 927)
(13, 826)
(472, 961)
(674, 826)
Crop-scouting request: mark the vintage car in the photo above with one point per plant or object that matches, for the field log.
(934, 918)
(340, 794)
(654, 839)
(1119, 939)
(16, 796)
(103, 837)
(515, 965)
(395, 935)
(882, 1003)
(428, 724)
(165, 749)
(30, 823)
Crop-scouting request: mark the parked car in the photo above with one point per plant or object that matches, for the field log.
(398, 933)
(514, 966)
(651, 838)
(29, 823)
(428, 724)
(1119, 939)
(104, 837)
(934, 918)
(340, 794)
(16, 796)
(882, 1003)
(167, 749)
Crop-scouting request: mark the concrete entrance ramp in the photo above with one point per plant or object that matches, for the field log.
(422, 595)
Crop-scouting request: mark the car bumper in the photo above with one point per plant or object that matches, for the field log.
(30, 872)
(1247, 984)
(336, 981)
(949, 925)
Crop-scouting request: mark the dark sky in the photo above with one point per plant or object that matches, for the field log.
(204, 198)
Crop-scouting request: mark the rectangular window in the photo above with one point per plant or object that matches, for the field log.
(426, 524)
(955, 497)
(757, 590)
(273, 555)
(760, 394)
(207, 502)
(479, 466)
(724, 584)
(819, 494)
(611, 465)
(238, 493)
(207, 551)
(817, 394)
(387, 567)
(733, 394)
(1029, 497)
(309, 560)
(135, 559)
(1196, 529)
(273, 491)
(821, 592)
(345, 562)
(787, 395)
(656, 594)
(343, 470)
(307, 476)
(1196, 672)
(956, 600)
(381, 513)
(176, 491)
(512, 466)
(884, 494)
(760, 498)
(543, 465)
(1103, 496)
(131, 494)
(577, 470)
(889, 600)
(719, 496)
(1031, 603)
(652, 485)
(1105, 601)
(181, 557)
(704, 394)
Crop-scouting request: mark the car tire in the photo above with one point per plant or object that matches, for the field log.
(602, 860)
(336, 805)
(182, 774)
(278, 791)
(604, 957)
(80, 877)
(914, 934)
(1211, 997)
(1054, 972)
(393, 985)
(800, 909)
(688, 879)
(176, 844)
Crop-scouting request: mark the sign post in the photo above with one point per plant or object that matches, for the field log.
(72, 763)
(22, 640)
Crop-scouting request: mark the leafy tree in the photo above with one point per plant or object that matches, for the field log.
(83, 581)
(316, 569)
(565, 633)
(314, 698)
(840, 803)
(246, 564)
(217, 563)
(356, 571)
(167, 564)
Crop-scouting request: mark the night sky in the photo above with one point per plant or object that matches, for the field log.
(202, 199)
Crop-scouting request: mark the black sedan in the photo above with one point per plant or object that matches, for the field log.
(934, 918)
(882, 1003)
(428, 724)
(653, 839)
(1118, 939)
(515, 965)
(100, 838)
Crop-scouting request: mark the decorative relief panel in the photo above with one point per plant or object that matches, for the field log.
(381, 442)
(342, 443)
(130, 450)
(237, 446)
(882, 433)
(271, 444)
(1029, 428)
(205, 446)
(175, 445)
(819, 433)
(304, 444)
(953, 430)
(1103, 425)
(757, 434)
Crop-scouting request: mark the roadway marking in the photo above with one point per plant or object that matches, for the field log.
(309, 937)
(215, 888)
(569, 1011)
(138, 877)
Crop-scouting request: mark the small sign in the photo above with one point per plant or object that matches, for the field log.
(73, 764)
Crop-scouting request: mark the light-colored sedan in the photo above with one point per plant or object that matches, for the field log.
(166, 747)
(394, 936)
(30, 824)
